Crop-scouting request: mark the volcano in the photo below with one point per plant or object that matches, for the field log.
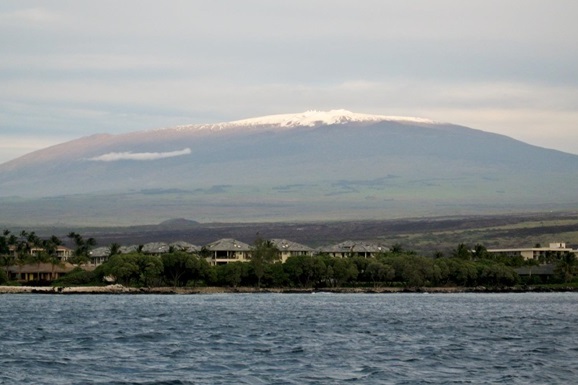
(316, 165)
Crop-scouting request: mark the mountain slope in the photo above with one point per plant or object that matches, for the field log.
(333, 163)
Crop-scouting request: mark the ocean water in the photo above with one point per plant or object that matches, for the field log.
(289, 339)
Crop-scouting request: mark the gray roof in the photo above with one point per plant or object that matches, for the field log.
(155, 248)
(99, 252)
(184, 246)
(228, 244)
(128, 249)
(286, 245)
(354, 247)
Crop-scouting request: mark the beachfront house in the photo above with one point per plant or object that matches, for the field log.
(349, 249)
(227, 250)
(538, 253)
(38, 272)
(290, 249)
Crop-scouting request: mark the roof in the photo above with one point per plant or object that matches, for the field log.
(128, 249)
(354, 247)
(184, 246)
(155, 248)
(228, 244)
(99, 252)
(286, 245)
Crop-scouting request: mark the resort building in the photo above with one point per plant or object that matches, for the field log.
(155, 248)
(38, 272)
(99, 255)
(538, 253)
(227, 250)
(350, 249)
(290, 249)
(184, 246)
(62, 252)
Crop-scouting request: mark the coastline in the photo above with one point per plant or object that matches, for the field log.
(120, 289)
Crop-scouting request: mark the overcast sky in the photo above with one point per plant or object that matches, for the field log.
(74, 68)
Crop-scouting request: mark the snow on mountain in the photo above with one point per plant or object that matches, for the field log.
(311, 118)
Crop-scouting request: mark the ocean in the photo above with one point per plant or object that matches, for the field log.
(528, 338)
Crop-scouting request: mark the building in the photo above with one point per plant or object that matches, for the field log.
(155, 248)
(290, 249)
(227, 250)
(349, 249)
(38, 272)
(185, 247)
(539, 253)
(99, 255)
(62, 252)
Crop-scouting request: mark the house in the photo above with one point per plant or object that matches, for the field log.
(227, 250)
(155, 248)
(184, 246)
(38, 272)
(62, 252)
(99, 255)
(129, 249)
(353, 249)
(539, 253)
(290, 249)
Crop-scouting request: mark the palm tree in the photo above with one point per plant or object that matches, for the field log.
(83, 246)
(114, 249)
(50, 247)
(462, 252)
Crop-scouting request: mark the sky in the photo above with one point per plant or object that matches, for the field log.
(69, 69)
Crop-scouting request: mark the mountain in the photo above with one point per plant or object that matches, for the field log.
(314, 165)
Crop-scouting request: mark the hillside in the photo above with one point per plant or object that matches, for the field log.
(315, 165)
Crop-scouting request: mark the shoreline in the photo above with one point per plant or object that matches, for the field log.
(119, 289)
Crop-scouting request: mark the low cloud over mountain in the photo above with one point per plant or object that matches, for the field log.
(115, 156)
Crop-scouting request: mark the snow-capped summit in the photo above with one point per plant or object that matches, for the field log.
(311, 118)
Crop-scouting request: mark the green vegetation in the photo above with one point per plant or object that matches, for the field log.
(401, 269)
(462, 266)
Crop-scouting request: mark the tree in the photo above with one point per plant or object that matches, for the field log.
(83, 247)
(567, 267)
(114, 249)
(7, 255)
(134, 269)
(263, 252)
(178, 268)
(479, 252)
(305, 270)
(50, 247)
(344, 270)
(379, 272)
(462, 252)
(230, 274)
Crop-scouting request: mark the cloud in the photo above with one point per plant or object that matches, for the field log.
(30, 16)
(114, 156)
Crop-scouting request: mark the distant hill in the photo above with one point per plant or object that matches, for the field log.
(314, 165)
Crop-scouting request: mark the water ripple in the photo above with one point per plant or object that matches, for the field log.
(289, 339)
